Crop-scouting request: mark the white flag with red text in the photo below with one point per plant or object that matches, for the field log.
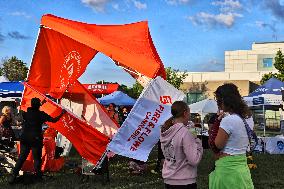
(141, 129)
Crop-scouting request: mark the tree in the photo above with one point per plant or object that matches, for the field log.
(14, 69)
(198, 88)
(196, 92)
(105, 82)
(133, 91)
(279, 65)
(174, 77)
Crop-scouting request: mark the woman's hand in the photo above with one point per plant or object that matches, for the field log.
(220, 114)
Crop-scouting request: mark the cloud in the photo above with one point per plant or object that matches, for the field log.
(176, 2)
(228, 5)
(20, 14)
(96, 5)
(16, 35)
(139, 5)
(116, 6)
(226, 17)
(212, 65)
(212, 20)
(262, 25)
(276, 7)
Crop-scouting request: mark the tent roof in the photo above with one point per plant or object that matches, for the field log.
(272, 86)
(204, 107)
(11, 87)
(9, 91)
(118, 98)
(130, 45)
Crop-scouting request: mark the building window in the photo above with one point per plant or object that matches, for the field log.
(267, 62)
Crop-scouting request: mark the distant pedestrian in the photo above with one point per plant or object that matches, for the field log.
(231, 169)
(181, 149)
(123, 115)
(6, 121)
(112, 112)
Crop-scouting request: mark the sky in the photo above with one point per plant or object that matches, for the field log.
(189, 35)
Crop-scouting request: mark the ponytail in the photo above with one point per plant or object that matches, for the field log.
(177, 110)
(169, 122)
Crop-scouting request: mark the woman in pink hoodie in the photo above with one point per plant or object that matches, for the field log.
(181, 149)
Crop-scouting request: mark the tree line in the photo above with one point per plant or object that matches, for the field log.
(15, 69)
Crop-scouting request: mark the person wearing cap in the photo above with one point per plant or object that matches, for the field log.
(32, 137)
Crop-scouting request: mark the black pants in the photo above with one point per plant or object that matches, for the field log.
(24, 152)
(189, 186)
(160, 157)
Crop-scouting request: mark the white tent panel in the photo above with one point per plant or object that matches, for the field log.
(204, 107)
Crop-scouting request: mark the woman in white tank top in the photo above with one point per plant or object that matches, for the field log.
(231, 170)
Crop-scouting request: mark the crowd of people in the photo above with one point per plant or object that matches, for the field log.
(179, 150)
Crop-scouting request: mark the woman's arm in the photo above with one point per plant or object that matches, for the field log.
(221, 138)
(192, 149)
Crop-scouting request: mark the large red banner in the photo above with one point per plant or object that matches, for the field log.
(90, 143)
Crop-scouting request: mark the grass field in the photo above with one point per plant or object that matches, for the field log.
(269, 174)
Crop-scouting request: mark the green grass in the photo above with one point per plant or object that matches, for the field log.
(269, 174)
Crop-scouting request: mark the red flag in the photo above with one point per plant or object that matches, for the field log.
(90, 143)
(85, 105)
(58, 62)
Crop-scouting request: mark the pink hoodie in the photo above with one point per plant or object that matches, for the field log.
(182, 154)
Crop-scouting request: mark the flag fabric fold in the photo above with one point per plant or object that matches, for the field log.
(85, 105)
(90, 143)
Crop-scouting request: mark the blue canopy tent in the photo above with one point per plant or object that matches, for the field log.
(268, 94)
(9, 91)
(118, 98)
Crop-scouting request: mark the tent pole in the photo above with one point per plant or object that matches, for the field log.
(264, 122)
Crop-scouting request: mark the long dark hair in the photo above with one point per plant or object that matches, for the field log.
(177, 110)
(229, 96)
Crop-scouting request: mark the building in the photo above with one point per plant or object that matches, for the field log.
(242, 67)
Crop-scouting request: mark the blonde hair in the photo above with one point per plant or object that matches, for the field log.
(6, 109)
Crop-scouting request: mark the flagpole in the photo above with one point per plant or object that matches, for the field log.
(99, 163)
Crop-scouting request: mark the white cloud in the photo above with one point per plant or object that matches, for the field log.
(21, 14)
(212, 20)
(228, 5)
(116, 6)
(210, 65)
(97, 5)
(176, 2)
(139, 5)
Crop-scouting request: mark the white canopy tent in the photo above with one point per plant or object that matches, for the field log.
(203, 108)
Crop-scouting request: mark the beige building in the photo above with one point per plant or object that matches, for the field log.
(242, 67)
